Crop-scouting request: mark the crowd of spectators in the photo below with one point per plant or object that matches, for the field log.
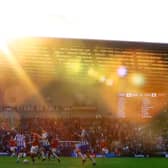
(123, 137)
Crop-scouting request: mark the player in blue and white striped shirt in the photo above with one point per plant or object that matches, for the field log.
(21, 145)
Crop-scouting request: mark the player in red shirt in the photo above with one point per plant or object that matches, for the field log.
(103, 146)
(34, 146)
(12, 144)
(54, 146)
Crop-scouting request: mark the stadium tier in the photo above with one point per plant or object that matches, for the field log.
(100, 77)
(72, 59)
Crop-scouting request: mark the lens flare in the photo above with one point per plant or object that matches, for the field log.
(138, 79)
(74, 66)
(102, 79)
(109, 82)
(92, 72)
(122, 71)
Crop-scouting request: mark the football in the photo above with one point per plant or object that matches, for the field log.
(25, 161)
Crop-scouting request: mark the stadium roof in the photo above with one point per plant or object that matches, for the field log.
(56, 58)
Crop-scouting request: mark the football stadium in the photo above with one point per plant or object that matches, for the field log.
(73, 101)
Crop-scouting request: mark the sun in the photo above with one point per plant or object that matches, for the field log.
(4, 45)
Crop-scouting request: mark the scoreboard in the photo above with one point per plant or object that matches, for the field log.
(143, 105)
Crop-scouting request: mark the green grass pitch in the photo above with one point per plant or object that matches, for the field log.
(8, 162)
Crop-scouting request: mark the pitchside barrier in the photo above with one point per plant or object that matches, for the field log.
(4, 154)
(139, 156)
(66, 148)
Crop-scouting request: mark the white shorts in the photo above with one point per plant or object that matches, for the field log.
(77, 150)
(13, 148)
(105, 150)
(34, 149)
(54, 150)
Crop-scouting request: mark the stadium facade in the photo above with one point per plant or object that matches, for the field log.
(57, 72)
